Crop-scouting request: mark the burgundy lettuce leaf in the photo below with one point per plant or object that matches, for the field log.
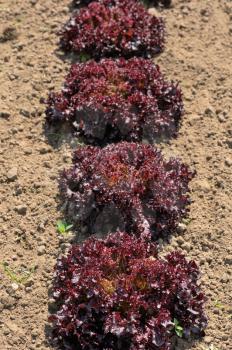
(127, 186)
(165, 3)
(110, 28)
(117, 294)
(115, 100)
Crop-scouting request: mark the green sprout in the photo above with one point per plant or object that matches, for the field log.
(63, 227)
(187, 221)
(83, 57)
(19, 278)
(218, 304)
(178, 328)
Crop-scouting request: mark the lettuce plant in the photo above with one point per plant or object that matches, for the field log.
(116, 294)
(127, 186)
(115, 100)
(109, 28)
(165, 3)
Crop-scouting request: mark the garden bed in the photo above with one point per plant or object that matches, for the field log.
(198, 54)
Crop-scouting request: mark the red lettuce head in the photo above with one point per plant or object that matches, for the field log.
(165, 3)
(117, 294)
(115, 100)
(127, 186)
(109, 28)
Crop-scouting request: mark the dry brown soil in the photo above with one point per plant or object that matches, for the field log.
(198, 54)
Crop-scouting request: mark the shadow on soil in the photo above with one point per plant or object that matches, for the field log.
(60, 134)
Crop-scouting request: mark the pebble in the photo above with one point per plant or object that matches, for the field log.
(8, 302)
(47, 165)
(221, 118)
(228, 162)
(209, 111)
(12, 174)
(208, 339)
(21, 209)
(14, 130)
(18, 191)
(14, 286)
(29, 283)
(45, 149)
(34, 333)
(6, 331)
(5, 115)
(185, 11)
(180, 240)
(228, 259)
(186, 246)
(181, 228)
(28, 151)
(41, 227)
(41, 250)
(24, 113)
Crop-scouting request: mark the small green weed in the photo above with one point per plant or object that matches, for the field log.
(63, 227)
(83, 57)
(18, 277)
(178, 328)
(218, 304)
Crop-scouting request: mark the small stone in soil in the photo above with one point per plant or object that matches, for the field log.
(28, 151)
(180, 240)
(25, 113)
(41, 250)
(209, 111)
(228, 259)
(14, 286)
(181, 228)
(12, 174)
(21, 209)
(186, 246)
(5, 115)
(228, 162)
(45, 149)
(208, 339)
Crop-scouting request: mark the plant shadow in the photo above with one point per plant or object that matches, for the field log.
(182, 344)
(62, 134)
(70, 57)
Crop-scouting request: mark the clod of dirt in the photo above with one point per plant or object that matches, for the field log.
(8, 34)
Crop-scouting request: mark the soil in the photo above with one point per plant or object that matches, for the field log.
(198, 54)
